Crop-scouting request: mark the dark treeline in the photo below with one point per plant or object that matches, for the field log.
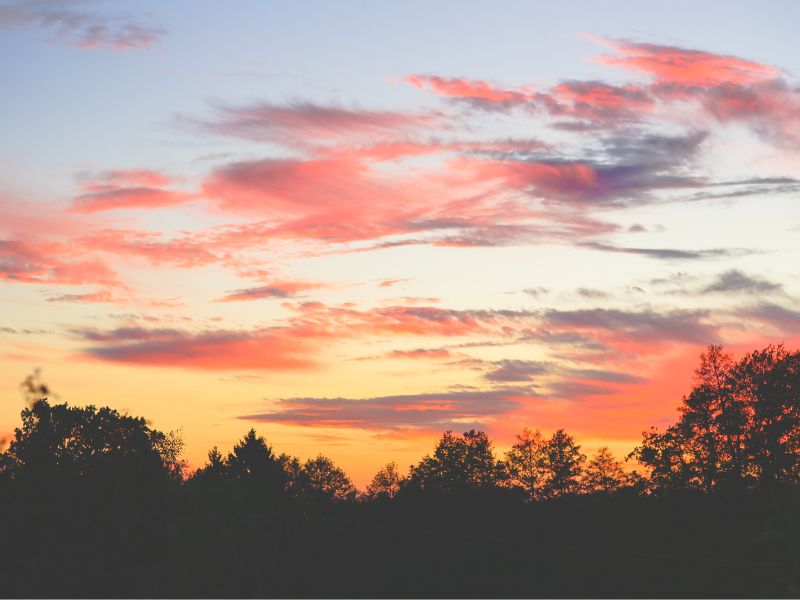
(97, 503)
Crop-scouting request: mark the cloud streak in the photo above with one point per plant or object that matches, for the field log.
(428, 412)
(91, 30)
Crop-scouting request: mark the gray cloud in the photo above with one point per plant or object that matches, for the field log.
(671, 253)
(784, 319)
(592, 293)
(642, 325)
(448, 410)
(734, 281)
(536, 292)
(517, 370)
(267, 121)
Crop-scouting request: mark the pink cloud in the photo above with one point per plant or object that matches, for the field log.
(184, 250)
(572, 179)
(392, 282)
(771, 109)
(670, 64)
(126, 189)
(274, 289)
(455, 87)
(51, 262)
(403, 320)
(336, 200)
(597, 101)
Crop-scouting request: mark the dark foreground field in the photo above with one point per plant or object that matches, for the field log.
(631, 546)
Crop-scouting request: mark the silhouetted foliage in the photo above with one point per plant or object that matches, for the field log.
(66, 441)
(253, 461)
(95, 503)
(321, 480)
(459, 462)
(739, 427)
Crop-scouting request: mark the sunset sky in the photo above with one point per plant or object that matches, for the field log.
(354, 225)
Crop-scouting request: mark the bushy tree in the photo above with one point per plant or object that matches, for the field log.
(739, 427)
(321, 480)
(459, 462)
(89, 442)
(768, 383)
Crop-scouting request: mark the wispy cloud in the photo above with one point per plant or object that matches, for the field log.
(127, 189)
(80, 24)
(430, 412)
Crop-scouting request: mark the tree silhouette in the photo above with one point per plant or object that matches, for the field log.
(562, 464)
(292, 469)
(385, 484)
(91, 442)
(459, 462)
(739, 427)
(253, 462)
(524, 463)
(603, 473)
(769, 386)
(215, 469)
(320, 480)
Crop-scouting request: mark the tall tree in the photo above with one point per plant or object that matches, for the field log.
(562, 464)
(253, 462)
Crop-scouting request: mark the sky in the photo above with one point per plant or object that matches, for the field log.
(355, 225)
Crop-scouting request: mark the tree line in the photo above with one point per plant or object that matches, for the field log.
(94, 502)
(738, 429)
